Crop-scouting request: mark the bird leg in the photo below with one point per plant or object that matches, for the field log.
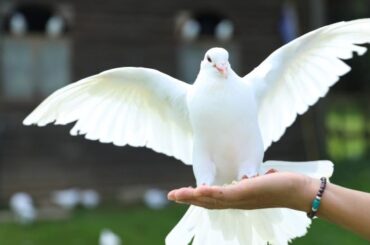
(204, 172)
(247, 170)
(246, 177)
(271, 171)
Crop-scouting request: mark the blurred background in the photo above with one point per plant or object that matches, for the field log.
(58, 189)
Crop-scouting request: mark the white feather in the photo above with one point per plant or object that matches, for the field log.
(315, 169)
(301, 72)
(135, 106)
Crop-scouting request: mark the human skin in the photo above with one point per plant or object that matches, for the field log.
(345, 207)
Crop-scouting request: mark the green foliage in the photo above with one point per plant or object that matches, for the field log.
(346, 125)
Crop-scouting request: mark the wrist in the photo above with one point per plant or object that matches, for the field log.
(304, 191)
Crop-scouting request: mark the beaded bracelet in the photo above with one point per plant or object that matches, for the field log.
(317, 200)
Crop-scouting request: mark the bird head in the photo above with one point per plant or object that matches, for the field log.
(216, 61)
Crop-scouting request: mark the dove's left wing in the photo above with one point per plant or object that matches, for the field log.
(134, 106)
(295, 76)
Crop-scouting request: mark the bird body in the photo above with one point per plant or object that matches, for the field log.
(224, 109)
(221, 125)
(67, 199)
(22, 206)
(107, 237)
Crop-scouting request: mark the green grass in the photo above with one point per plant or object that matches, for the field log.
(135, 225)
(138, 225)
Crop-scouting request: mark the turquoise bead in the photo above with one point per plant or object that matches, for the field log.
(315, 204)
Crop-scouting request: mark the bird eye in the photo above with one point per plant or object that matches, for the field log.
(209, 59)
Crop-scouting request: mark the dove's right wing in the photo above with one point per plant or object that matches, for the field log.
(296, 75)
(134, 106)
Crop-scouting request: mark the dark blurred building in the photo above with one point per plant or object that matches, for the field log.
(47, 44)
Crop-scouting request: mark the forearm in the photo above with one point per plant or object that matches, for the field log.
(347, 208)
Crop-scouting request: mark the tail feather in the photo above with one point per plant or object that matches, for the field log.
(184, 231)
(204, 235)
(315, 169)
(263, 219)
(236, 227)
(294, 224)
(223, 227)
(245, 232)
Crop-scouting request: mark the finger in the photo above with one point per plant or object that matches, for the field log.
(198, 203)
(171, 195)
(205, 202)
(219, 193)
(182, 193)
(204, 196)
(194, 196)
(208, 191)
(215, 196)
(185, 193)
(233, 193)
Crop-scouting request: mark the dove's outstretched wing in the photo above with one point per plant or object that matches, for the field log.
(295, 76)
(134, 106)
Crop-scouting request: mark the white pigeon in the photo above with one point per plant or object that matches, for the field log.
(107, 237)
(222, 124)
(89, 198)
(67, 199)
(18, 24)
(22, 206)
(155, 198)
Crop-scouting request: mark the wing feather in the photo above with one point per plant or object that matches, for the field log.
(295, 76)
(134, 106)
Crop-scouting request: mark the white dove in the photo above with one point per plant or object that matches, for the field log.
(107, 237)
(22, 205)
(67, 199)
(221, 125)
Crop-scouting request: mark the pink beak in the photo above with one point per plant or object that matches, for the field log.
(222, 68)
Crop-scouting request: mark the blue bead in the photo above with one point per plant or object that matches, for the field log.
(316, 204)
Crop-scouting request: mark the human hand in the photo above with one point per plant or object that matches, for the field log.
(281, 189)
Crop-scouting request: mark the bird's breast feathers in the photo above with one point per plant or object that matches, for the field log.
(225, 103)
(224, 117)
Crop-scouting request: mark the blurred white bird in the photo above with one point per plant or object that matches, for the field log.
(190, 29)
(107, 237)
(155, 198)
(18, 24)
(67, 199)
(222, 124)
(70, 198)
(89, 198)
(22, 206)
(54, 26)
(224, 30)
